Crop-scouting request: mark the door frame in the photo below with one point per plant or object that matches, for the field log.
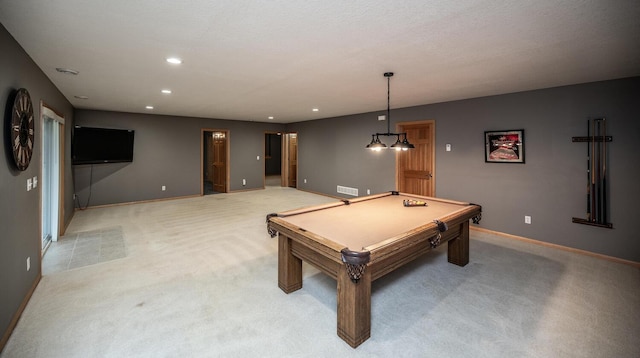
(58, 118)
(284, 172)
(227, 159)
(264, 156)
(432, 139)
(284, 158)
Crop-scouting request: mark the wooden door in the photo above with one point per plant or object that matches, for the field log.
(208, 143)
(219, 162)
(415, 167)
(292, 162)
(289, 176)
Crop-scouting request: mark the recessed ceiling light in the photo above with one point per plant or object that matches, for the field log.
(270, 117)
(166, 91)
(81, 97)
(67, 71)
(149, 107)
(315, 110)
(174, 60)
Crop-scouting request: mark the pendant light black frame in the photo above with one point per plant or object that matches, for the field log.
(376, 144)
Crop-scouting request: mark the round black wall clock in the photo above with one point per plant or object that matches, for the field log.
(22, 129)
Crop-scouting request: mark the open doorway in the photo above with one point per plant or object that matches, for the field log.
(215, 161)
(281, 159)
(272, 159)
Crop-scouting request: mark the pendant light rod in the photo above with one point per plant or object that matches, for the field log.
(388, 75)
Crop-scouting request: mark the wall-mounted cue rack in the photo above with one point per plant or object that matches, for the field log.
(597, 198)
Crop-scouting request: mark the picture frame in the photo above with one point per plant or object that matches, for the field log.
(505, 146)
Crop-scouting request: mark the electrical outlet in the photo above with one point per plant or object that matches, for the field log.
(244, 181)
(527, 219)
(368, 192)
(28, 263)
(257, 157)
(305, 181)
(164, 187)
(448, 147)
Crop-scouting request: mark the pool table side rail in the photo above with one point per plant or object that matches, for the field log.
(432, 198)
(416, 196)
(308, 248)
(404, 255)
(307, 209)
(389, 257)
(361, 199)
(330, 205)
(431, 228)
(322, 245)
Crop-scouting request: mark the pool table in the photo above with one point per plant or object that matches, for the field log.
(359, 240)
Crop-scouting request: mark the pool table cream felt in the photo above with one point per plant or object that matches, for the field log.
(369, 221)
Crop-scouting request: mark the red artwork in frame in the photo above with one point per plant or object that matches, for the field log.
(504, 146)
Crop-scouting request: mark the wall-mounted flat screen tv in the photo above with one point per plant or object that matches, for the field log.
(101, 145)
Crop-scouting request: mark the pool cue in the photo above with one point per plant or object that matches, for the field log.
(604, 171)
(599, 172)
(588, 173)
(593, 174)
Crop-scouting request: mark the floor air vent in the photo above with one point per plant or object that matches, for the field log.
(347, 190)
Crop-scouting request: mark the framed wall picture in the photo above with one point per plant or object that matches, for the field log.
(504, 146)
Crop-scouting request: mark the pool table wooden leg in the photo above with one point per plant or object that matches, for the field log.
(458, 249)
(354, 307)
(289, 266)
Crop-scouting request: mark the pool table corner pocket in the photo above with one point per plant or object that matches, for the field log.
(355, 262)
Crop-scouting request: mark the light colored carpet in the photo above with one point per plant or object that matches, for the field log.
(199, 279)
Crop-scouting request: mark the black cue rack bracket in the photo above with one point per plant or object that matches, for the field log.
(597, 198)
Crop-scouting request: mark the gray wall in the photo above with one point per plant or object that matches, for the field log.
(332, 152)
(166, 152)
(550, 186)
(19, 209)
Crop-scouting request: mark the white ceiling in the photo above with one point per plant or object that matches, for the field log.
(250, 59)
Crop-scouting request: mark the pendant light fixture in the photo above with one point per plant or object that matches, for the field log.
(376, 144)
